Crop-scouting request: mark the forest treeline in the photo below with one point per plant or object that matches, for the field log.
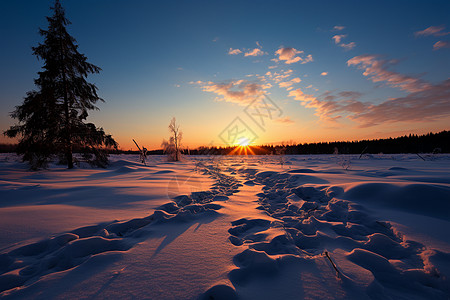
(426, 143)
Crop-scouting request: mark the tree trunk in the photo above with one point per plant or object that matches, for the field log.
(68, 138)
(176, 146)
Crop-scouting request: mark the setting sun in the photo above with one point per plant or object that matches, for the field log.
(244, 142)
(243, 147)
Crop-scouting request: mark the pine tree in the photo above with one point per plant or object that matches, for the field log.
(52, 119)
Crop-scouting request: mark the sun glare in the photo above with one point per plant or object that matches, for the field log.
(244, 142)
(243, 147)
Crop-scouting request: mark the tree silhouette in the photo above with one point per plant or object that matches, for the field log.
(52, 119)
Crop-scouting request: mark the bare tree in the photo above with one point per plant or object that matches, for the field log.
(173, 147)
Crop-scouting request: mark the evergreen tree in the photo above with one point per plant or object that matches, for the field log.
(52, 119)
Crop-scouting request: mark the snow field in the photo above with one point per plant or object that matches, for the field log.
(229, 227)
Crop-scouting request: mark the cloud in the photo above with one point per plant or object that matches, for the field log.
(432, 30)
(308, 59)
(351, 95)
(198, 82)
(348, 46)
(326, 107)
(441, 44)
(232, 51)
(338, 28)
(278, 77)
(266, 86)
(325, 110)
(241, 91)
(255, 52)
(302, 97)
(289, 55)
(338, 41)
(338, 37)
(324, 73)
(289, 83)
(377, 71)
(248, 52)
(285, 84)
(431, 104)
(427, 105)
(285, 120)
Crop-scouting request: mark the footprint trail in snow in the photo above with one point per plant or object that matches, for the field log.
(311, 226)
(25, 265)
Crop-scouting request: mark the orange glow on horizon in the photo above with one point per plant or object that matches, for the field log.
(244, 150)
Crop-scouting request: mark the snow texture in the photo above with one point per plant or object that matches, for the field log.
(228, 228)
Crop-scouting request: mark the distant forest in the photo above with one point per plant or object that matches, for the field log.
(427, 143)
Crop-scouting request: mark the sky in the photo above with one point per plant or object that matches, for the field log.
(261, 72)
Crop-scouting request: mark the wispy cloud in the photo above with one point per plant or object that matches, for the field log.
(441, 44)
(432, 30)
(348, 46)
(286, 84)
(241, 92)
(326, 107)
(324, 73)
(255, 52)
(285, 120)
(422, 106)
(376, 70)
(338, 28)
(307, 59)
(338, 38)
(326, 110)
(427, 105)
(278, 77)
(248, 52)
(338, 41)
(299, 95)
(350, 95)
(232, 51)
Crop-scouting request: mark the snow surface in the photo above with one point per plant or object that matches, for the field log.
(228, 227)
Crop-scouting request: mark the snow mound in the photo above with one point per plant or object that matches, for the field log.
(416, 198)
(309, 223)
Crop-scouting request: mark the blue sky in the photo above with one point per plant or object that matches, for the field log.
(173, 59)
